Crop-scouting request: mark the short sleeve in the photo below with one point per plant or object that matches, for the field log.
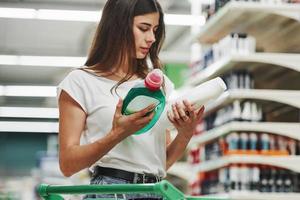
(72, 84)
(169, 87)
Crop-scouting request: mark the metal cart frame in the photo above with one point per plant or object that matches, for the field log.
(163, 188)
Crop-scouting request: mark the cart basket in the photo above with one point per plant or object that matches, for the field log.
(163, 188)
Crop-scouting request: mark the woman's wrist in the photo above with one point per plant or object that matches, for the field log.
(184, 137)
(114, 136)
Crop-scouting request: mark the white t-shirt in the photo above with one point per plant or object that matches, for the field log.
(137, 153)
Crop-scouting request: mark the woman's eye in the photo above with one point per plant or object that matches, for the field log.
(144, 29)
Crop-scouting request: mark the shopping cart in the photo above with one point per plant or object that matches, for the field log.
(163, 188)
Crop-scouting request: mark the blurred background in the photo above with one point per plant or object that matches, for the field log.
(246, 147)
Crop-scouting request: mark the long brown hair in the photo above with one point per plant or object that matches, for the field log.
(114, 41)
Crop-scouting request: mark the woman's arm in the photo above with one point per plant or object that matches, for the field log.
(175, 149)
(74, 157)
(185, 119)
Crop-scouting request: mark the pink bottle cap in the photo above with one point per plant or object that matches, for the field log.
(154, 79)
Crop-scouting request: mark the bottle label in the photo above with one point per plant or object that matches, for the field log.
(139, 103)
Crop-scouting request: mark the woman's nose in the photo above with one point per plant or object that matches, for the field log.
(151, 37)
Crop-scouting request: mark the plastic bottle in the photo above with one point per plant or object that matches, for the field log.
(199, 96)
(143, 94)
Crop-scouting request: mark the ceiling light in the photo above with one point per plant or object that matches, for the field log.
(29, 112)
(42, 61)
(60, 61)
(87, 16)
(69, 15)
(22, 13)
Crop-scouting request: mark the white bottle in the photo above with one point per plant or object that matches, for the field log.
(199, 96)
(246, 113)
(236, 111)
(244, 177)
(234, 176)
(254, 178)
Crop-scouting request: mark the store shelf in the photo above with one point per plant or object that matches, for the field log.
(276, 77)
(251, 62)
(270, 24)
(31, 127)
(286, 162)
(288, 97)
(246, 195)
(291, 130)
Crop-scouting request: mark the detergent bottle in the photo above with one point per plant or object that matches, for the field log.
(200, 95)
(143, 94)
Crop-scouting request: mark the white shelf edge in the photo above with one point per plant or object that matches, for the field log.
(287, 97)
(291, 130)
(29, 127)
(286, 162)
(270, 7)
(292, 11)
(290, 61)
(246, 195)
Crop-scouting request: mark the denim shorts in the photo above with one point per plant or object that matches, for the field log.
(106, 180)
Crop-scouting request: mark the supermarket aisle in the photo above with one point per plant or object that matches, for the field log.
(246, 147)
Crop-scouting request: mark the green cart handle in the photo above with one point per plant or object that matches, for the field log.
(163, 188)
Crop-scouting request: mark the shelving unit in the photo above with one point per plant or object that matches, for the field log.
(269, 24)
(256, 196)
(276, 71)
(286, 162)
(252, 62)
(285, 129)
(280, 96)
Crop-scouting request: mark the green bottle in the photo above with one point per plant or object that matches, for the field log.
(144, 94)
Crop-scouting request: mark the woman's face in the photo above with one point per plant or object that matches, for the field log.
(144, 28)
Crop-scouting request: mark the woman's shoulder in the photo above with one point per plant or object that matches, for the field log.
(78, 77)
(81, 74)
(77, 72)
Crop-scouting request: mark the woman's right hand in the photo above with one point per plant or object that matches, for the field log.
(125, 125)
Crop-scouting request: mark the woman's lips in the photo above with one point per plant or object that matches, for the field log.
(144, 50)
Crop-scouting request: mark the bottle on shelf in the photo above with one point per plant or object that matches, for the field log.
(248, 177)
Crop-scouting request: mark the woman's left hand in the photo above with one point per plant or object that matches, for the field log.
(185, 118)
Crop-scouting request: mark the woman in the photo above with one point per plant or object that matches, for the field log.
(92, 131)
